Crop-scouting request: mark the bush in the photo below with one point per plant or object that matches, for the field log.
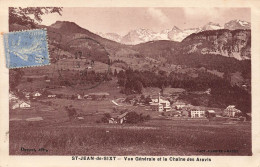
(115, 109)
(71, 112)
(132, 117)
(107, 115)
(105, 118)
(148, 117)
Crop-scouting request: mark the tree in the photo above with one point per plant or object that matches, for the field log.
(107, 115)
(105, 118)
(142, 97)
(148, 100)
(22, 15)
(227, 76)
(138, 86)
(121, 76)
(15, 76)
(71, 112)
(115, 73)
(132, 117)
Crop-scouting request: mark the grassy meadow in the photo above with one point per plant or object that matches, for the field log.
(155, 137)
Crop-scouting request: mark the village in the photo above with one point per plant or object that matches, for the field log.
(155, 106)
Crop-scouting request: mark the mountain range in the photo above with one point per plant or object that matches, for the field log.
(210, 39)
(175, 34)
(219, 51)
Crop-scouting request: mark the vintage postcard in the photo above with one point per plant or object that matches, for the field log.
(163, 84)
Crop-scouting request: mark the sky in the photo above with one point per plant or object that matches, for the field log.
(122, 20)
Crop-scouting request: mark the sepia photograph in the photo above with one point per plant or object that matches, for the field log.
(129, 81)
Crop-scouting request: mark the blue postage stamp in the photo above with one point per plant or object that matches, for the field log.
(26, 48)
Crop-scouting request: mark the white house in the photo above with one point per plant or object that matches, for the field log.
(37, 94)
(15, 106)
(208, 91)
(155, 106)
(12, 96)
(21, 104)
(231, 111)
(112, 121)
(51, 96)
(25, 105)
(166, 105)
(211, 111)
(197, 113)
(160, 105)
(79, 96)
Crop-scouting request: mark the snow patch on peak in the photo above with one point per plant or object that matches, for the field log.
(175, 34)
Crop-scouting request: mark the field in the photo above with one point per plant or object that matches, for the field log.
(158, 136)
(155, 137)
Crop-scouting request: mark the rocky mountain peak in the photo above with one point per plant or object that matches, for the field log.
(211, 26)
(176, 28)
(237, 24)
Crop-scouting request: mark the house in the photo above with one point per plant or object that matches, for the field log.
(112, 121)
(37, 94)
(160, 105)
(177, 114)
(25, 105)
(51, 96)
(87, 97)
(120, 119)
(21, 104)
(231, 111)
(179, 105)
(208, 91)
(79, 97)
(210, 113)
(12, 96)
(166, 105)
(98, 95)
(197, 113)
(15, 106)
(178, 67)
(155, 106)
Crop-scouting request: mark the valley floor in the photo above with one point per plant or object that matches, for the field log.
(155, 137)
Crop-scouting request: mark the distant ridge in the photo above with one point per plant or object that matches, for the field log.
(138, 36)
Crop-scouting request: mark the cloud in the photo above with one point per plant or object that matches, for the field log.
(158, 15)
